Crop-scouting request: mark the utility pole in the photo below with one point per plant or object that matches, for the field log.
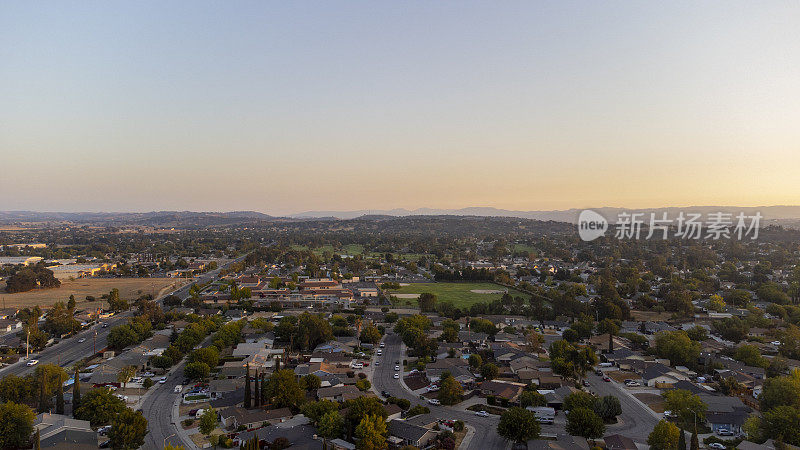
(94, 343)
(28, 342)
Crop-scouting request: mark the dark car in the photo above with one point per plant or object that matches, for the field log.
(385, 394)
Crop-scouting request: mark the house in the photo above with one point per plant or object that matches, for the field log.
(235, 417)
(57, 431)
(619, 442)
(502, 389)
(725, 413)
(338, 393)
(405, 433)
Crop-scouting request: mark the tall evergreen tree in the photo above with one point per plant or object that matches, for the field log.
(263, 392)
(42, 399)
(60, 400)
(682, 441)
(695, 445)
(37, 441)
(247, 402)
(76, 393)
(257, 390)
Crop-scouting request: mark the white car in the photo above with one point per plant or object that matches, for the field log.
(482, 413)
(378, 363)
(162, 380)
(397, 367)
(383, 345)
(148, 374)
(434, 401)
(81, 340)
(716, 445)
(776, 343)
(33, 362)
(104, 430)
(631, 383)
(178, 388)
(396, 376)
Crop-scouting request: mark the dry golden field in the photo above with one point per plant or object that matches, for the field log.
(129, 288)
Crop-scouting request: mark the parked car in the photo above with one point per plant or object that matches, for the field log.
(716, 445)
(598, 372)
(32, 362)
(434, 401)
(585, 383)
(724, 432)
(148, 374)
(396, 376)
(104, 430)
(81, 340)
(632, 383)
(397, 367)
(482, 413)
(162, 380)
(385, 394)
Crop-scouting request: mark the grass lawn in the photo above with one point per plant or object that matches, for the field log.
(460, 294)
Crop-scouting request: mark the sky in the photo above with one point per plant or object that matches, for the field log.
(283, 107)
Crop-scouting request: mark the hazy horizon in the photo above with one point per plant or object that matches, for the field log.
(291, 107)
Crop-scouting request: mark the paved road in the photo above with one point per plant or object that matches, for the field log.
(68, 351)
(485, 437)
(637, 421)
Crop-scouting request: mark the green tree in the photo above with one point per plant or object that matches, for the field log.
(125, 374)
(248, 402)
(76, 392)
(608, 408)
(571, 361)
(128, 430)
(584, 422)
(311, 382)
(371, 433)
(532, 398)
(17, 426)
(208, 355)
(450, 390)
(283, 390)
(315, 410)
(208, 421)
(330, 425)
(489, 371)
(196, 370)
(695, 444)
(750, 355)
(14, 389)
(518, 425)
(99, 406)
(782, 423)
(579, 399)
(685, 405)
(427, 302)
(677, 347)
(370, 334)
(115, 302)
(475, 360)
(665, 436)
(363, 385)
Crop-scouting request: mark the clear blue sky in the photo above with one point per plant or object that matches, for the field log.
(290, 106)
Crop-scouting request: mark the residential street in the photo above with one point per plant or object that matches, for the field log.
(485, 437)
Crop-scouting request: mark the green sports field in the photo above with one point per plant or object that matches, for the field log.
(461, 295)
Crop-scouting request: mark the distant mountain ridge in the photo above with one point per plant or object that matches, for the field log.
(776, 214)
(769, 213)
